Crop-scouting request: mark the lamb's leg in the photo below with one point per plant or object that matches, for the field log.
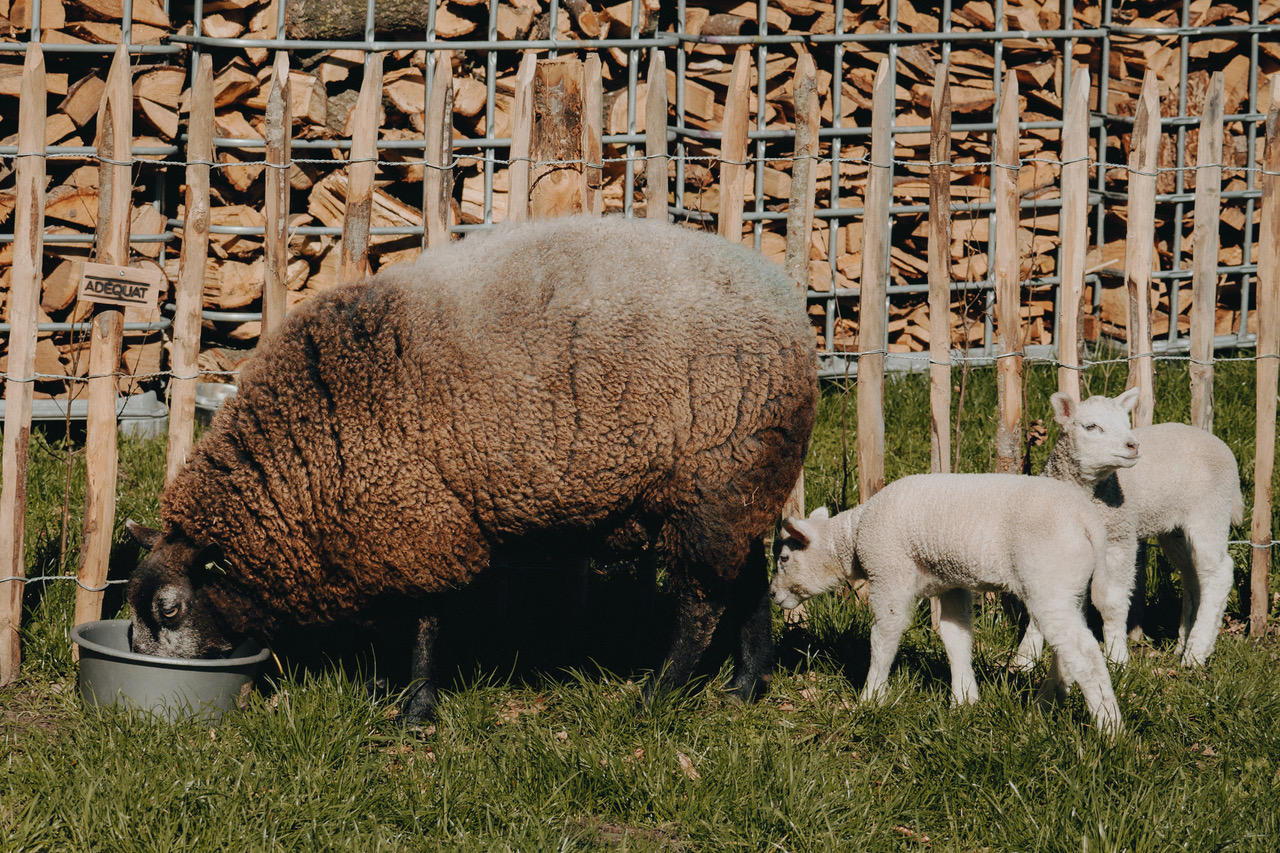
(1214, 571)
(1111, 596)
(891, 614)
(754, 653)
(1030, 649)
(955, 626)
(698, 613)
(420, 702)
(1081, 661)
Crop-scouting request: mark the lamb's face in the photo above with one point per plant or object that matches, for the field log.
(171, 615)
(1102, 437)
(807, 561)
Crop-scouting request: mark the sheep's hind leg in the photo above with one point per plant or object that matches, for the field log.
(420, 700)
(752, 613)
(956, 629)
(1214, 572)
(1178, 552)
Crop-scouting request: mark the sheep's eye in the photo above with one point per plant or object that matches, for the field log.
(169, 612)
(1092, 428)
(783, 557)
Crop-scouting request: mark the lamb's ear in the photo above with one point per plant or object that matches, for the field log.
(1064, 407)
(798, 530)
(147, 537)
(820, 512)
(1129, 399)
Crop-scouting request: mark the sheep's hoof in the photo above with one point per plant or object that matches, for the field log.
(1052, 692)
(419, 707)
(749, 690)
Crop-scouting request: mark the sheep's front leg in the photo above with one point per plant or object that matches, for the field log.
(420, 702)
(956, 629)
(698, 613)
(891, 614)
(1111, 596)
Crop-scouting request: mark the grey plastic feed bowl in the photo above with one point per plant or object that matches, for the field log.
(173, 688)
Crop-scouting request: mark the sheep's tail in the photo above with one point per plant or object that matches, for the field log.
(1237, 506)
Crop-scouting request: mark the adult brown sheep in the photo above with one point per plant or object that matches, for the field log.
(618, 384)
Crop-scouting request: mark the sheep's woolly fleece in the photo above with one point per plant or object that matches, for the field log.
(626, 381)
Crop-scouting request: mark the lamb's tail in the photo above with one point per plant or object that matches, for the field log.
(1237, 506)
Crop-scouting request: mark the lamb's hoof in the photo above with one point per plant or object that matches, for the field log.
(1052, 692)
(1021, 663)
(748, 691)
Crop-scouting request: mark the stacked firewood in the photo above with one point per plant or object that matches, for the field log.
(323, 87)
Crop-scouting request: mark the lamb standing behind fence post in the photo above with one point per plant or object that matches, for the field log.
(1172, 481)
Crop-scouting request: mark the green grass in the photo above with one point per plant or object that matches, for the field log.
(542, 758)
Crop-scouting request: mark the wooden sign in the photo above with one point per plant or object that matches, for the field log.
(126, 287)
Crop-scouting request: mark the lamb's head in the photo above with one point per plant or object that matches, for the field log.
(168, 597)
(813, 555)
(1099, 436)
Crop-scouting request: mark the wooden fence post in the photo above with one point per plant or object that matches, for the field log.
(437, 174)
(276, 236)
(1268, 371)
(115, 138)
(733, 147)
(1006, 270)
(354, 260)
(521, 140)
(655, 137)
(558, 184)
(24, 293)
(804, 178)
(1074, 229)
(1204, 254)
(939, 249)
(593, 133)
(873, 294)
(189, 290)
(1140, 246)
(940, 273)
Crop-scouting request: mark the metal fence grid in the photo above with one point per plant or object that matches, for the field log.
(159, 167)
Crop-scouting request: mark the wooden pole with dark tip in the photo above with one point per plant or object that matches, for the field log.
(939, 287)
(24, 309)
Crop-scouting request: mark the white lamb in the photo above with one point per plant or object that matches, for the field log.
(1175, 482)
(947, 534)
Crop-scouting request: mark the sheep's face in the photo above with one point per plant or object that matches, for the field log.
(171, 613)
(813, 556)
(1101, 437)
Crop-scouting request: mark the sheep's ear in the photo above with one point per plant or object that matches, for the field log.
(147, 537)
(797, 530)
(1129, 399)
(1064, 407)
(820, 512)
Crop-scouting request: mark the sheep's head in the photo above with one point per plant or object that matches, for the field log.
(1100, 434)
(168, 598)
(813, 555)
